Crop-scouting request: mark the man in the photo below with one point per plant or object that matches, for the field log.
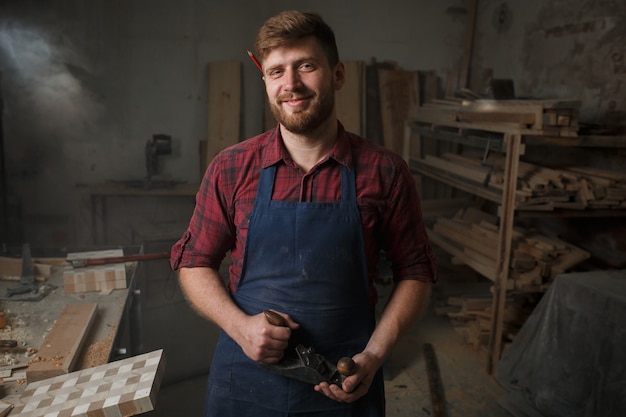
(305, 210)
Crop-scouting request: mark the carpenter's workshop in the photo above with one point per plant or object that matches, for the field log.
(155, 155)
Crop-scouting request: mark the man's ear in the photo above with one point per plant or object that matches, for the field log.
(339, 75)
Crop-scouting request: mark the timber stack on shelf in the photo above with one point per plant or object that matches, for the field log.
(489, 138)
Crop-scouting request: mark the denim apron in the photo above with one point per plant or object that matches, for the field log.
(306, 260)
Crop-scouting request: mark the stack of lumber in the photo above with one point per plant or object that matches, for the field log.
(471, 236)
(540, 188)
(470, 313)
(551, 117)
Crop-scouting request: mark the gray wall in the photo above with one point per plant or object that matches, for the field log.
(558, 49)
(87, 83)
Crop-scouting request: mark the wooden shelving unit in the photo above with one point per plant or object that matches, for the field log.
(509, 130)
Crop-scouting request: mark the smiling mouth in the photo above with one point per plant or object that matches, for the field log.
(292, 100)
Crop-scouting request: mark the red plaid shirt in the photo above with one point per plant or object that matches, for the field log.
(386, 195)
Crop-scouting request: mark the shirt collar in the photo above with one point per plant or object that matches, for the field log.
(276, 152)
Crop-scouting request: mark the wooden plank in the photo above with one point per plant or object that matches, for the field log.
(521, 119)
(126, 387)
(582, 141)
(466, 62)
(451, 84)
(96, 254)
(507, 214)
(12, 267)
(478, 175)
(462, 234)
(224, 103)
(59, 351)
(435, 385)
(485, 270)
(508, 105)
(399, 90)
(447, 114)
(373, 122)
(350, 100)
(429, 86)
(481, 191)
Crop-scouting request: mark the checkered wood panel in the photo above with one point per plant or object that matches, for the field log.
(103, 278)
(118, 389)
(96, 278)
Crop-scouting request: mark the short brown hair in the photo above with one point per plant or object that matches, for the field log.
(289, 26)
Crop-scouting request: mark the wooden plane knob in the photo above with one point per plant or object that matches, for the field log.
(274, 318)
(346, 366)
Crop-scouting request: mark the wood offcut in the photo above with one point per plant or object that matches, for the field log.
(435, 384)
(59, 351)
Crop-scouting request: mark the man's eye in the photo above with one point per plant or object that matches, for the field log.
(307, 67)
(275, 73)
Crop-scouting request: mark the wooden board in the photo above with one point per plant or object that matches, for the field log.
(12, 267)
(399, 92)
(59, 350)
(350, 100)
(224, 103)
(123, 388)
(373, 123)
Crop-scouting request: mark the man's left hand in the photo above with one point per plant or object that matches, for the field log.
(356, 385)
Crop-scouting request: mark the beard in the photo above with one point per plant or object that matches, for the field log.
(310, 118)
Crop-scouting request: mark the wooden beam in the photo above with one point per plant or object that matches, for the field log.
(224, 103)
(59, 351)
(399, 92)
(350, 100)
(466, 62)
(507, 214)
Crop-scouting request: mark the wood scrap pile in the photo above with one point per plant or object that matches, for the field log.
(470, 313)
(540, 188)
(471, 236)
(551, 117)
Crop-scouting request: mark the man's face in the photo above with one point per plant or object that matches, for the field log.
(301, 85)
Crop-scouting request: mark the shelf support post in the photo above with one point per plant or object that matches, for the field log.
(507, 213)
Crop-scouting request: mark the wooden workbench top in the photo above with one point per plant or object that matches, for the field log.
(28, 322)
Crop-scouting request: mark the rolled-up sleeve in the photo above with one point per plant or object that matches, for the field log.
(209, 235)
(406, 240)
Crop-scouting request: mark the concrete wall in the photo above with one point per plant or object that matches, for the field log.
(86, 84)
(558, 49)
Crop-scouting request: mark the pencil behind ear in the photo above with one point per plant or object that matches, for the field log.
(256, 61)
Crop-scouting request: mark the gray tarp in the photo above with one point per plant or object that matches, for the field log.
(569, 358)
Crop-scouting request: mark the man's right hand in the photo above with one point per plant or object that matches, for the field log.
(265, 342)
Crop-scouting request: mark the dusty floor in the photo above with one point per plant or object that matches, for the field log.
(468, 390)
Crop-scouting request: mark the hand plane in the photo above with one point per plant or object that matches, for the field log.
(308, 366)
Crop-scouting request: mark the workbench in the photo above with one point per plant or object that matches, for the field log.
(112, 334)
